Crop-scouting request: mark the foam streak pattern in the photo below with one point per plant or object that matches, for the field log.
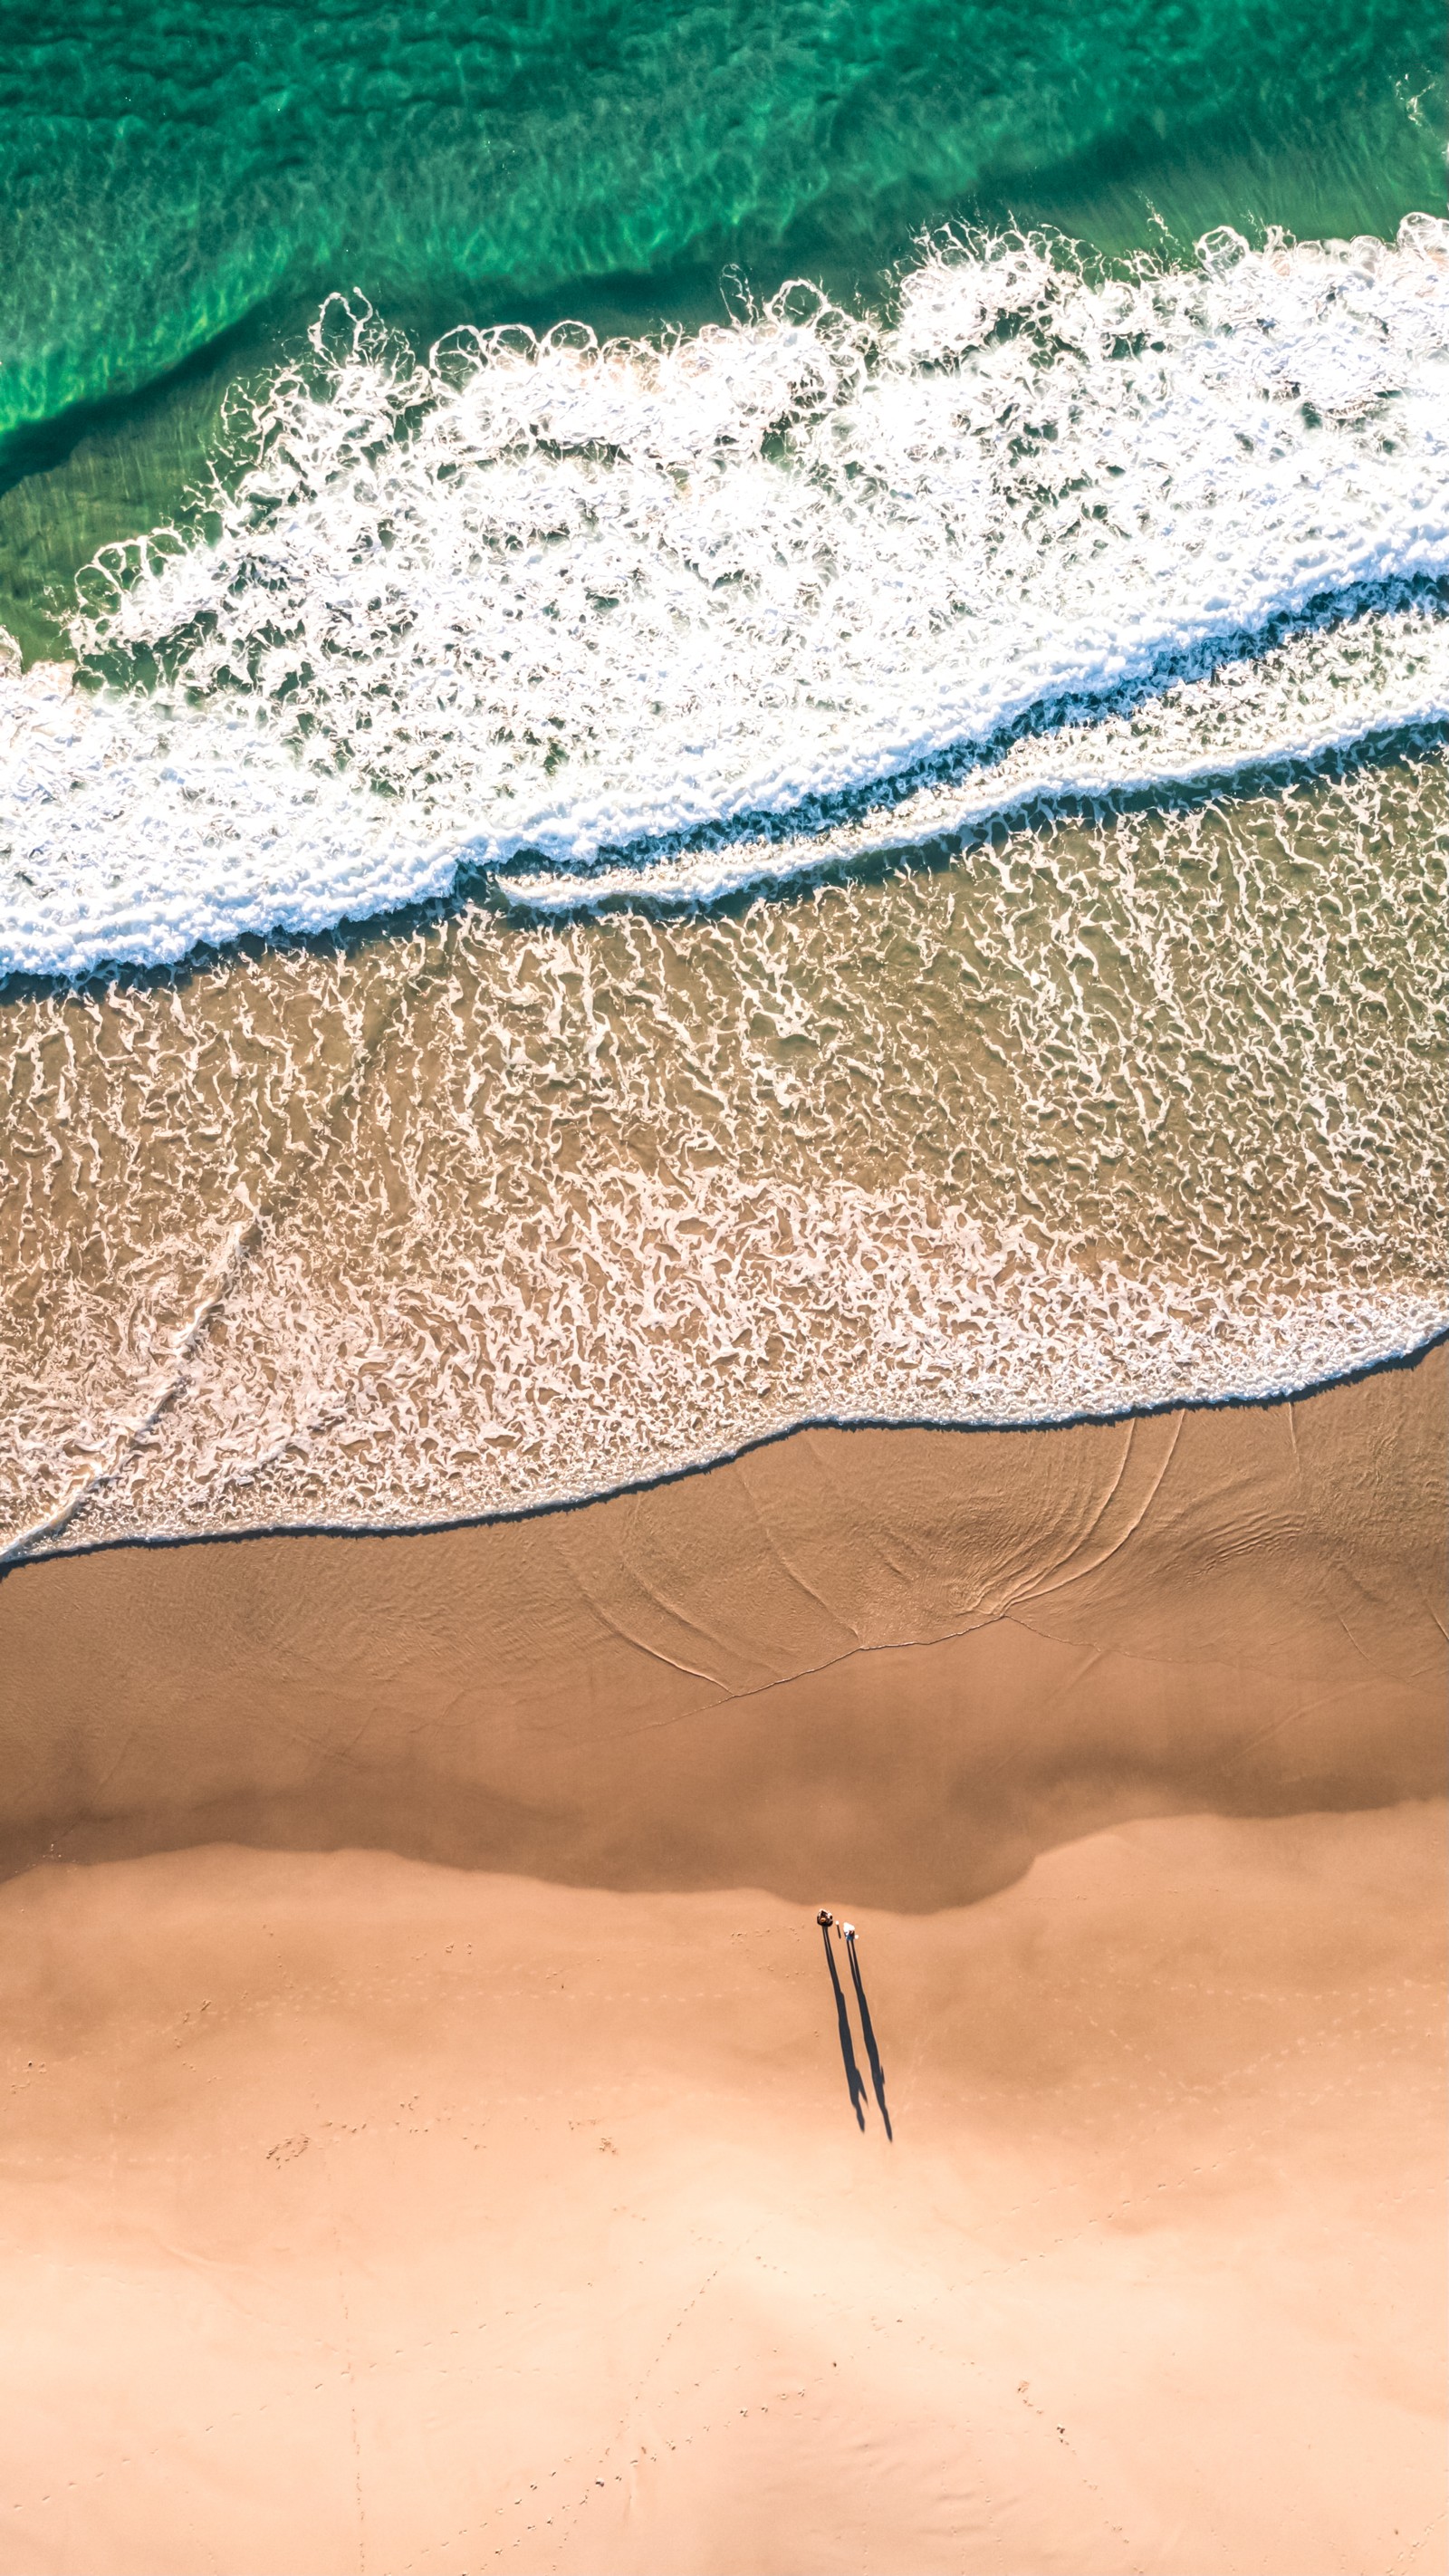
(499, 1212)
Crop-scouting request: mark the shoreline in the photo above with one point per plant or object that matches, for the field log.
(17, 1554)
(953, 1653)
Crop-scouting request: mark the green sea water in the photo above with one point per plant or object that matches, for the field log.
(179, 184)
(169, 169)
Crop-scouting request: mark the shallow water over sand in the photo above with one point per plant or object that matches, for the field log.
(491, 1212)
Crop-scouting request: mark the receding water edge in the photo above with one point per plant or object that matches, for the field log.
(678, 1475)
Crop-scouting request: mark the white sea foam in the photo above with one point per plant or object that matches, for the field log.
(577, 602)
(1284, 709)
(494, 1211)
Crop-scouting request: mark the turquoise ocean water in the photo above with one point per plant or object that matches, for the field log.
(179, 185)
(573, 503)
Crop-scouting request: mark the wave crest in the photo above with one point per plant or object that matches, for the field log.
(551, 597)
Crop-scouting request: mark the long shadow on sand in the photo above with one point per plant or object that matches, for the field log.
(853, 2076)
(877, 2071)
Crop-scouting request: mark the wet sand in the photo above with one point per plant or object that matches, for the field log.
(432, 2144)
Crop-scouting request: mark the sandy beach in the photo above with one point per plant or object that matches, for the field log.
(438, 2139)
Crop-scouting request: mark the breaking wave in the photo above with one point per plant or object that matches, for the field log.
(616, 619)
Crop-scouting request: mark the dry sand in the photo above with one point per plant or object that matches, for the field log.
(365, 2212)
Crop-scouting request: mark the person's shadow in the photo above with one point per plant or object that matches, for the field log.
(877, 2071)
(853, 2075)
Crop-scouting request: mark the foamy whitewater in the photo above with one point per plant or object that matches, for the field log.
(1055, 679)
(583, 605)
